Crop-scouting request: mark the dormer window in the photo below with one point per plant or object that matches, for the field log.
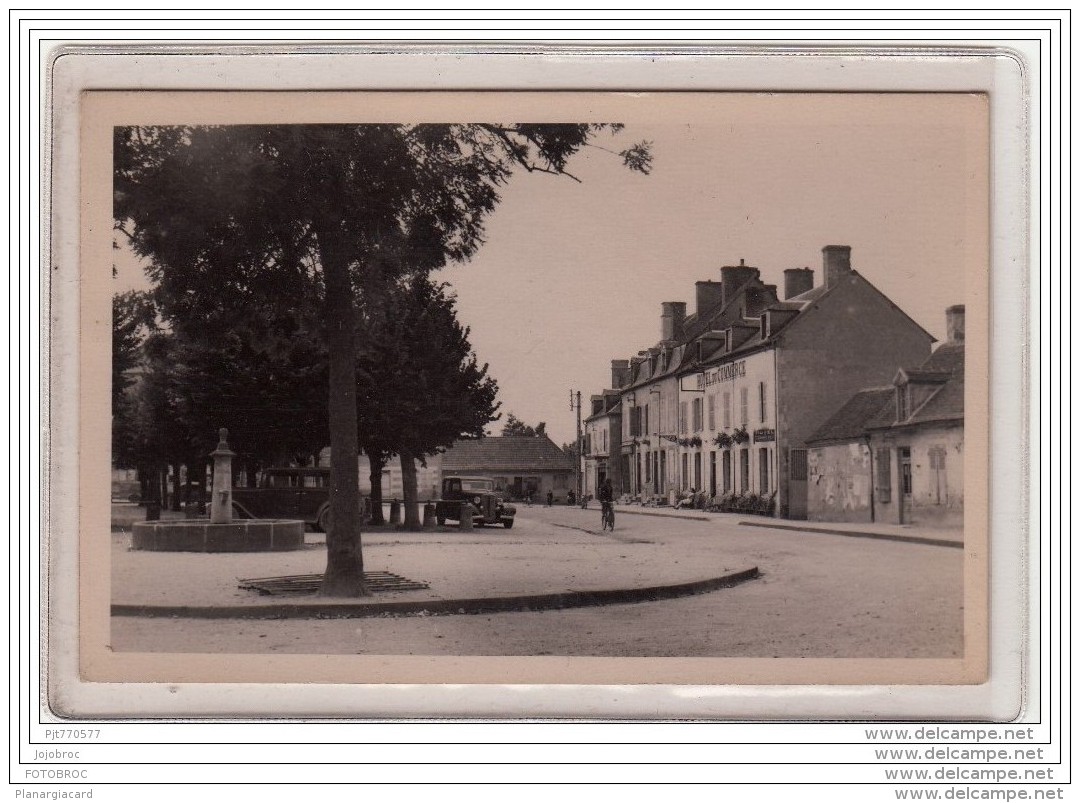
(902, 398)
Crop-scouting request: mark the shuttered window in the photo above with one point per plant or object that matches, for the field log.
(883, 475)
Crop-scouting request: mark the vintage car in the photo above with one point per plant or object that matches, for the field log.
(479, 492)
(287, 493)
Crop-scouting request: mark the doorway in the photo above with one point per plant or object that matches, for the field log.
(904, 459)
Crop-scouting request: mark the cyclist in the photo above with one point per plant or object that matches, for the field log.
(607, 510)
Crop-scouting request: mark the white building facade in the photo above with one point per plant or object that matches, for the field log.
(727, 428)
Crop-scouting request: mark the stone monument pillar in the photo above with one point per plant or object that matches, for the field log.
(221, 495)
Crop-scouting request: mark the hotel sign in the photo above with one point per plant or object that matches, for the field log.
(722, 373)
(764, 435)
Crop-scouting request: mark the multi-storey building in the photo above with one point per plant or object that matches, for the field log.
(725, 401)
(602, 436)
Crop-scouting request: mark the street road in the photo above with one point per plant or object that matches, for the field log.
(819, 596)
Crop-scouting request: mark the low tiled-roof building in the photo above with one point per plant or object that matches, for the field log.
(520, 465)
(896, 454)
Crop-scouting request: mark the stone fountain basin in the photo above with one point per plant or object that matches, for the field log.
(200, 535)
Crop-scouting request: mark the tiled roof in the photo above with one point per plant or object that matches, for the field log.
(885, 417)
(929, 377)
(946, 403)
(850, 421)
(506, 454)
(813, 294)
(946, 357)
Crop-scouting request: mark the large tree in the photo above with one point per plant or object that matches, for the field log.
(425, 364)
(238, 215)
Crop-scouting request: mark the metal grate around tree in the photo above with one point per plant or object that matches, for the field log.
(376, 582)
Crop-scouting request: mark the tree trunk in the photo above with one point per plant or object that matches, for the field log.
(144, 483)
(202, 472)
(176, 491)
(344, 576)
(377, 462)
(408, 485)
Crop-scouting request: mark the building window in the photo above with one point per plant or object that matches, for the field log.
(645, 431)
(763, 470)
(883, 474)
(712, 412)
(744, 407)
(682, 418)
(635, 421)
(603, 441)
(744, 470)
(698, 424)
(697, 471)
(648, 467)
(727, 410)
(727, 470)
(762, 390)
(902, 403)
(798, 465)
(685, 472)
(588, 443)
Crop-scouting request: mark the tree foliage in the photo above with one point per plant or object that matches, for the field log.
(422, 363)
(515, 427)
(234, 218)
(132, 321)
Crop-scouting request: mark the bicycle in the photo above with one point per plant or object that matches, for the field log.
(607, 516)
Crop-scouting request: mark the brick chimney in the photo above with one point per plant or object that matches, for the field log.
(954, 323)
(709, 294)
(735, 276)
(837, 263)
(797, 281)
(620, 373)
(672, 315)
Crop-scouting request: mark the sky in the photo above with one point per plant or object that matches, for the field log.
(572, 273)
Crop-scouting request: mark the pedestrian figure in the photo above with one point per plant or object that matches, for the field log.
(606, 495)
(551, 498)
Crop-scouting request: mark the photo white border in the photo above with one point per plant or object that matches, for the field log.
(1003, 73)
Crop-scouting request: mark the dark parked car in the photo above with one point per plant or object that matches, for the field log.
(479, 492)
(287, 493)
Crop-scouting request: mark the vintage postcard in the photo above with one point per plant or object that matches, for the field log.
(432, 389)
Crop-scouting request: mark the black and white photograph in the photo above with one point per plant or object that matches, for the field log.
(594, 387)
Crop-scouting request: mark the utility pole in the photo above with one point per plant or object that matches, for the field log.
(575, 404)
